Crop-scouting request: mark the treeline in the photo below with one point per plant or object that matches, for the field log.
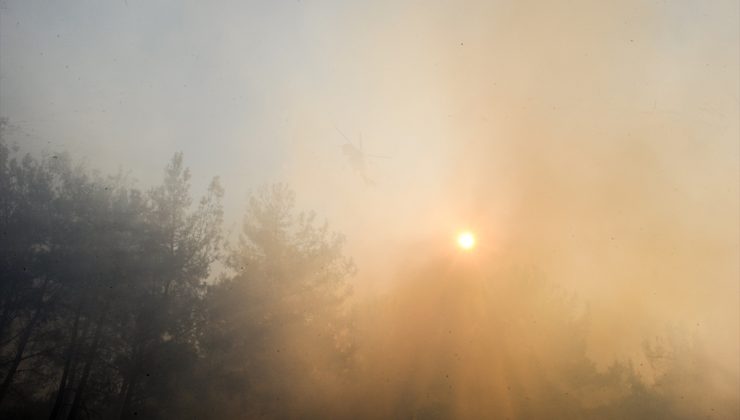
(106, 310)
(110, 308)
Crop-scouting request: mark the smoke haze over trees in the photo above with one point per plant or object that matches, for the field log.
(344, 209)
(111, 308)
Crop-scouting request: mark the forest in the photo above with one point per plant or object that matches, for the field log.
(118, 302)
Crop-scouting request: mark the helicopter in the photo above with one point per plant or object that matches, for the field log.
(357, 157)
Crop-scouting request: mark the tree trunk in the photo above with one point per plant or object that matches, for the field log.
(8, 303)
(131, 381)
(4, 320)
(22, 342)
(74, 412)
(71, 353)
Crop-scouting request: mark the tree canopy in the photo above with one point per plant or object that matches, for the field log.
(111, 306)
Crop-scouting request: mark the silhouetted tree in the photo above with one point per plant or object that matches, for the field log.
(101, 285)
(280, 322)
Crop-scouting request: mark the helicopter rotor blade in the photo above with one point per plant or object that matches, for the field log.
(342, 134)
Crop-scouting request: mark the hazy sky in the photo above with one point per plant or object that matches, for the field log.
(596, 141)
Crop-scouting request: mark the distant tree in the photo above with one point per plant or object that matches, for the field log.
(179, 245)
(59, 241)
(101, 287)
(503, 342)
(278, 326)
(28, 195)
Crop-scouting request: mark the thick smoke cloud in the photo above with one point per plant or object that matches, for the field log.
(592, 149)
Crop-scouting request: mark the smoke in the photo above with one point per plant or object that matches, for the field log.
(592, 148)
(596, 145)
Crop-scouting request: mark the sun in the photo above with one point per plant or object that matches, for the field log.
(466, 240)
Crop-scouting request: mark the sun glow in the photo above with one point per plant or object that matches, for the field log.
(466, 240)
